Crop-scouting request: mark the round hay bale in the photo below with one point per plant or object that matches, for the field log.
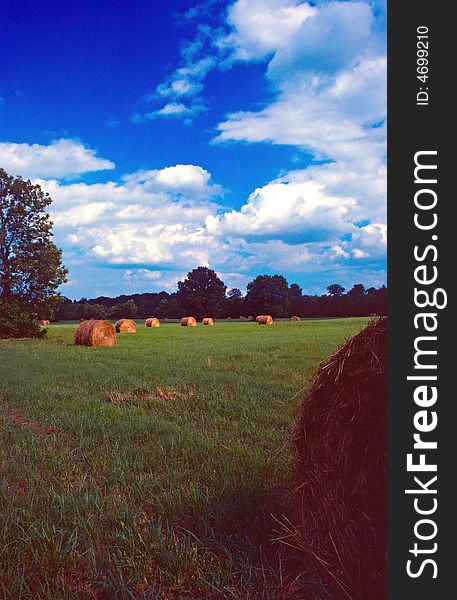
(208, 321)
(189, 322)
(125, 326)
(44, 322)
(338, 497)
(242, 318)
(295, 318)
(152, 322)
(250, 318)
(95, 333)
(264, 320)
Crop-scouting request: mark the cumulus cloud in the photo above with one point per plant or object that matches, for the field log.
(177, 179)
(286, 209)
(333, 38)
(151, 217)
(261, 27)
(61, 158)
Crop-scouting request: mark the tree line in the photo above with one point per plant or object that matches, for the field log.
(202, 293)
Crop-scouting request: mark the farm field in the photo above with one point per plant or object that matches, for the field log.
(151, 470)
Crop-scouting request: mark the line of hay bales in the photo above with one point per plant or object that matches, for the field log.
(152, 322)
(337, 502)
(94, 332)
(125, 326)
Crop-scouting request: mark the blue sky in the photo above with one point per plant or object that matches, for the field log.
(247, 136)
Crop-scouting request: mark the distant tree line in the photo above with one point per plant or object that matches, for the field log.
(202, 293)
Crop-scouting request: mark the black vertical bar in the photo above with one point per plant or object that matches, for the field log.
(413, 128)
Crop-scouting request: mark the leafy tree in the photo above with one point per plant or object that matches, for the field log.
(234, 293)
(202, 293)
(295, 290)
(235, 306)
(169, 308)
(30, 263)
(335, 289)
(358, 289)
(296, 299)
(269, 294)
(93, 311)
(125, 310)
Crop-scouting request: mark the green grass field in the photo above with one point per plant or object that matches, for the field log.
(150, 470)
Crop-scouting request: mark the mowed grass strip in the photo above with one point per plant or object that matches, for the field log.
(159, 471)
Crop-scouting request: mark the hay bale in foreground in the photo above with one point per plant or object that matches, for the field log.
(338, 500)
(208, 321)
(44, 322)
(152, 322)
(189, 322)
(95, 333)
(264, 320)
(125, 326)
(295, 318)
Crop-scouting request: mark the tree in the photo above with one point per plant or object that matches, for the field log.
(125, 310)
(202, 293)
(169, 308)
(30, 263)
(335, 289)
(358, 289)
(269, 294)
(296, 298)
(234, 293)
(235, 304)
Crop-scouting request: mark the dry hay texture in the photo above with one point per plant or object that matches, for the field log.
(188, 322)
(95, 333)
(295, 318)
(264, 320)
(338, 501)
(44, 322)
(208, 321)
(152, 322)
(125, 326)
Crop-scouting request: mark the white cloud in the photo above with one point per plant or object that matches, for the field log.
(61, 158)
(179, 179)
(260, 27)
(335, 37)
(332, 119)
(150, 217)
(185, 81)
(172, 109)
(283, 209)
